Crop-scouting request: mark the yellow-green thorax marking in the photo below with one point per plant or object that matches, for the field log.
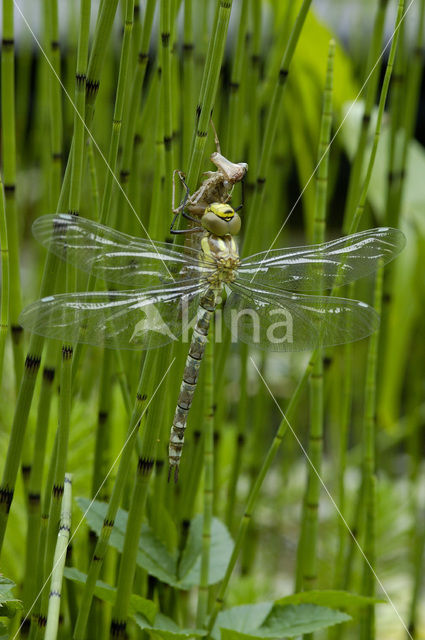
(219, 249)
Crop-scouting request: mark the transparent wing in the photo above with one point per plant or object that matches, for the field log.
(115, 256)
(295, 322)
(117, 319)
(317, 266)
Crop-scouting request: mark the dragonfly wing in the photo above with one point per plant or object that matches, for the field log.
(295, 322)
(115, 256)
(117, 319)
(320, 266)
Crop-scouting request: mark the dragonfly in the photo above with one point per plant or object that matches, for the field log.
(272, 300)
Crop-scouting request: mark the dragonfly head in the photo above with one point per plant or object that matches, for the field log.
(220, 219)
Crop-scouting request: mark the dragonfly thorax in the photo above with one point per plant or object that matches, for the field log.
(223, 253)
(221, 219)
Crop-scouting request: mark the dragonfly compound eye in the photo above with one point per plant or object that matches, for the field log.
(220, 219)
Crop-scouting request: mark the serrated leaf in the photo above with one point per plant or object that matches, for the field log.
(220, 552)
(154, 557)
(9, 605)
(166, 628)
(293, 620)
(329, 598)
(287, 622)
(107, 593)
(245, 617)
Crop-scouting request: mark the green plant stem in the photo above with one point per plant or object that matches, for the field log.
(235, 99)
(202, 609)
(381, 106)
(369, 471)
(271, 126)
(136, 92)
(9, 177)
(36, 476)
(142, 403)
(60, 461)
(239, 439)
(166, 102)
(310, 523)
(59, 563)
(254, 492)
(208, 90)
(188, 81)
(153, 364)
(4, 248)
(372, 73)
(32, 361)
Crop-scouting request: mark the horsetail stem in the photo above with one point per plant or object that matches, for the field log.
(208, 430)
(32, 361)
(381, 106)
(59, 563)
(310, 519)
(4, 248)
(373, 68)
(9, 181)
(271, 125)
(369, 470)
(209, 89)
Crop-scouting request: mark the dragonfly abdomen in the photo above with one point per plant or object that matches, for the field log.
(189, 382)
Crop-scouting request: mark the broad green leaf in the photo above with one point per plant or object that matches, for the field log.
(9, 605)
(287, 622)
(105, 592)
(164, 627)
(220, 552)
(6, 586)
(154, 557)
(245, 617)
(4, 634)
(293, 620)
(330, 598)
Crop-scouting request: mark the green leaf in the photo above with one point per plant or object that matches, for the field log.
(105, 592)
(293, 620)
(9, 605)
(155, 558)
(245, 617)
(152, 556)
(286, 622)
(329, 598)
(220, 551)
(166, 628)
(4, 634)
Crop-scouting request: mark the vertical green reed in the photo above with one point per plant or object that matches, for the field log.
(188, 103)
(355, 220)
(9, 180)
(271, 126)
(33, 358)
(373, 67)
(235, 98)
(255, 490)
(208, 430)
(153, 368)
(4, 249)
(166, 102)
(369, 470)
(208, 89)
(53, 612)
(309, 526)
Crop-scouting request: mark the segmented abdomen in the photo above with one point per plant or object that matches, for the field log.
(190, 379)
